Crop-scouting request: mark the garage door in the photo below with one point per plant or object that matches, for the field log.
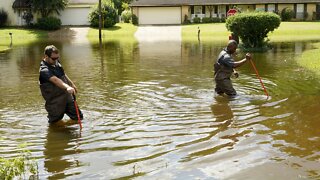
(159, 15)
(75, 16)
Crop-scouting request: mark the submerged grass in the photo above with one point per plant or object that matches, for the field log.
(19, 37)
(310, 59)
(121, 31)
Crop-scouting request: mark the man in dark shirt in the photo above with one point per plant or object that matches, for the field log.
(224, 68)
(56, 87)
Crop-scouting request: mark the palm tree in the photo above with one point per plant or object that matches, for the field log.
(47, 7)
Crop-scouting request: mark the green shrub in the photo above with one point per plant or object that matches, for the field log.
(3, 17)
(207, 20)
(126, 16)
(287, 14)
(210, 20)
(253, 28)
(216, 19)
(186, 19)
(49, 23)
(109, 15)
(196, 20)
(134, 19)
(28, 17)
(11, 168)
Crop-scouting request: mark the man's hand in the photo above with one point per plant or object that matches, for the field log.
(248, 56)
(71, 90)
(74, 87)
(236, 74)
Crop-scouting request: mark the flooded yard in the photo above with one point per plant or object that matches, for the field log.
(151, 113)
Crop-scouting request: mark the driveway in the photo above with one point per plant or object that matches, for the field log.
(158, 33)
(72, 34)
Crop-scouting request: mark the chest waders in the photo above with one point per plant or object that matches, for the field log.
(222, 76)
(56, 100)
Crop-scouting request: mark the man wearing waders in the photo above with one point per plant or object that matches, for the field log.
(56, 88)
(224, 68)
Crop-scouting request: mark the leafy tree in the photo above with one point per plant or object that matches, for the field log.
(253, 28)
(121, 5)
(126, 16)
(109, 14)
(47, 7)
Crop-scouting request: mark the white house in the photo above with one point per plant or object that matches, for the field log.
(177, 11)
(76, 12)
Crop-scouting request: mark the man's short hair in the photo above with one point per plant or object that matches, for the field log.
(232, 42)
(50, 49)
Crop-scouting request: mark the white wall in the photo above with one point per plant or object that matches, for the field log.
(160, 15)
(14, 18)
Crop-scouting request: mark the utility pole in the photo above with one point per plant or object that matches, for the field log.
(100, 21)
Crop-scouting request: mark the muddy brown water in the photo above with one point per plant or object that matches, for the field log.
(150, 113)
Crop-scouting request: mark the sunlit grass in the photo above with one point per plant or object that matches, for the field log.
(121, 31)
(310, 59)
(288, 31)
(215, 32)
(296, 31)
(19, 37)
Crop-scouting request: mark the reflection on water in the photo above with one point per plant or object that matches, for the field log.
(150, 112)
(60, 143)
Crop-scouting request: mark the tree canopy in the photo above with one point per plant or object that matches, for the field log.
(47, 7)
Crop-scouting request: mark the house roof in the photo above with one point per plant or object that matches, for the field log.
(21, 4)
(213, 2)
(83, 1)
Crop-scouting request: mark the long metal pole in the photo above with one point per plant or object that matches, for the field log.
(255, 69)
(77, 110)
(100, 21)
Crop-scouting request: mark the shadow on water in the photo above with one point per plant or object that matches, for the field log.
(150, 112)
(61, 142)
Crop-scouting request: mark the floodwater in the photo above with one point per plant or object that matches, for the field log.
(151, 113)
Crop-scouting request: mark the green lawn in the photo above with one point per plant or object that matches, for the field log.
(19, 37)
(288, 31)
(215, 32)
(296, 31)
(121, 31)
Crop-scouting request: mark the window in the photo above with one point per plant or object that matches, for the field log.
(197, 9)
(271, 8)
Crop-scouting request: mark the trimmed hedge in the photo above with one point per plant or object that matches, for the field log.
(196, 20)
(210, 20)
(253, 28)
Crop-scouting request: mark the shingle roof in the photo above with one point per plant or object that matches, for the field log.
(212, 2)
